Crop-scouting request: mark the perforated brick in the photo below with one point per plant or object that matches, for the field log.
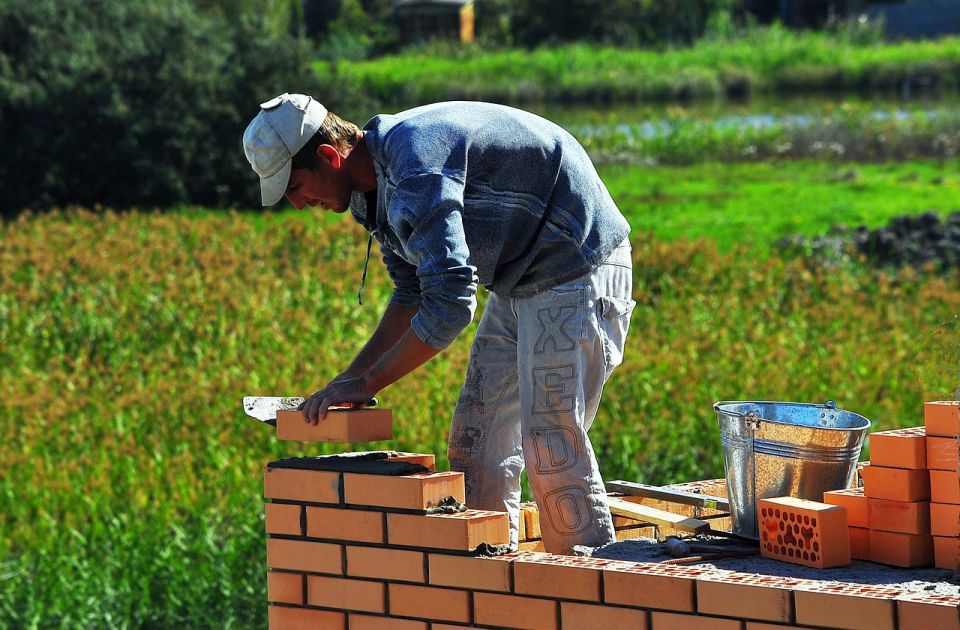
(411, 492)
(901, 550)
(926, 610)
(854, 500)
(900, 516)
(895, 484)
(562, 577)
(942, 417)
(942, 453)
(340, 426)
(899, 448)
(853, 606)
(460, 532)
(804, 532)
(747, 596)
(511, 611)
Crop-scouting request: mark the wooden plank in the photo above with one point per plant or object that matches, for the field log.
(672, 495)
(657, 517)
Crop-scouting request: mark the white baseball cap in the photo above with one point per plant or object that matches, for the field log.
(273, 137)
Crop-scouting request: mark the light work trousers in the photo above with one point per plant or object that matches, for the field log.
(537, 369)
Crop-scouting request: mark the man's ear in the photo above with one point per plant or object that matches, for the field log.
(330, 154)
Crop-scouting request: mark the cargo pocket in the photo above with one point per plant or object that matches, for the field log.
(614, 322)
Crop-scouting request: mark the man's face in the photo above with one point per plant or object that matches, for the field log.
(323, 186)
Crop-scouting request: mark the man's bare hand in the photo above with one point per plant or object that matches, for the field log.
(341, 392)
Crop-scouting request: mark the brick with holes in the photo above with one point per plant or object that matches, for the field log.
(899, 448)
(942, 417)
(804, 532)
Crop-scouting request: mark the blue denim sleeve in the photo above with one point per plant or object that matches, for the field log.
(428, 209)
(406, 285)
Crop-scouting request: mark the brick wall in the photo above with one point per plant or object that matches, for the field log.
(371, 549)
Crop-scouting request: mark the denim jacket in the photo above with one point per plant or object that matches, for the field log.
(472, 193)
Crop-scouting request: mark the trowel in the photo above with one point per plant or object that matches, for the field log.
(265, 408)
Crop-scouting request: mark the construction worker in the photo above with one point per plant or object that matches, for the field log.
(457, 195)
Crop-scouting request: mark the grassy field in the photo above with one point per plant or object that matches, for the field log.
(131, 493)
(766, 60)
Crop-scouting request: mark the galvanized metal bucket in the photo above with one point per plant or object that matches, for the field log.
(774, 449)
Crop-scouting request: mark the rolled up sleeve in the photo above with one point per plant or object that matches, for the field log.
(431, 207)
(406, 285)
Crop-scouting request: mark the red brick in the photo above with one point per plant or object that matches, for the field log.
(369, 622)
(334, 592)
(899, 448)
(510, 611)
(351, 525)
(563, 577)
(944, 486)
(946, 552)
(942, 453)
(804, 532)
(460, 532)
(411, 492)
(426, 602)
(944, 519)
(859, 543)
(286, 588)
(759, 625)
(663, 586)
(901, 550)
(318, 486)
(674, 621)
(283, 518)
(386, 564)
(900, 516)
(942, 418)
(766, 598)
(895, 484)
(589, 617)
(287, 618)
(854, 500)
(302, 555)
(340, 426)
(481, 574)
(853, 606)
(926, 610)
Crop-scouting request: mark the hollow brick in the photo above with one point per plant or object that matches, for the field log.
(848, 606)
(460, 532)
(563, 577)
(901, 550)
(340, 426)
(347, 525)
(317, 486)
(899, 448)
(576, 616)
(895, 484)
(645, 585)
(945, 519)
(926, 610)
(511, 611)
(804, 532)
(765, 598)
(905, 517)
(386, 564)
(289, 618)
(335, 592)
(942, 417)
(854, 500)
(426, 602)
(411, 492)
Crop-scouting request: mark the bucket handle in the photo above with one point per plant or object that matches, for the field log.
(753, 421)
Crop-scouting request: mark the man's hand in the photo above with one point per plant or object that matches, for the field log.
(346, 392)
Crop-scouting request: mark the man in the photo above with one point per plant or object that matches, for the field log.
(461, 194)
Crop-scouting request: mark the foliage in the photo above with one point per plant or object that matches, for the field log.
(132, 486)
(761, 60)
(152, 117)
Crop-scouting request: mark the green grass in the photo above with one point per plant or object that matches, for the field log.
(759, 203)
(767, 60)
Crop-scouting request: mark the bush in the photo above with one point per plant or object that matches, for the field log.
(133, 103)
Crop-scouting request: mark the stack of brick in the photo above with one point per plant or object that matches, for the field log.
(942, 422)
